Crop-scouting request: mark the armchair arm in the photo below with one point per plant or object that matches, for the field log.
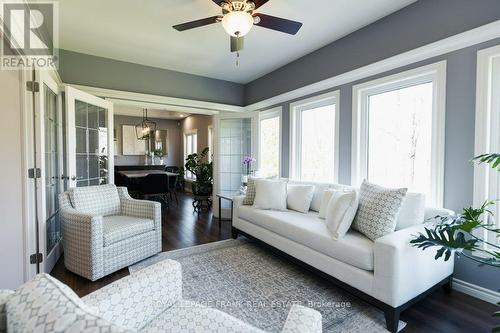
(82, 237)
(135, 300)
(403, 271)
(303, 320)
(4, 297)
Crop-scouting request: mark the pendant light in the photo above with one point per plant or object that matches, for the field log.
(143, 130)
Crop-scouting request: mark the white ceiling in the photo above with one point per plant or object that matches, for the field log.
(141, 32)
(125, 110)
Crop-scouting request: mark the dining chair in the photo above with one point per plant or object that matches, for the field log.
(173, 185)
(156, 185)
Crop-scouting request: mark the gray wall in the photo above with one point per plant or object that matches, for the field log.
(459, 146)
(84, 69)
(421, 23)
(174, 140)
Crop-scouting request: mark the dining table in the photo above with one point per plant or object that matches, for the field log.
(144, 173)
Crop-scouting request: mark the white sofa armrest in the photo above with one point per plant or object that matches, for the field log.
(303, 320)
(403, 271)
(237, 202)
(135, 300)
(431, 213)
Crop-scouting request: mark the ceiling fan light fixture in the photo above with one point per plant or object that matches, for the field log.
(237, 23)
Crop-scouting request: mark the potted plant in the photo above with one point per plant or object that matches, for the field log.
(159, 154)
(202, 170)
(457, 235)
(247, 164)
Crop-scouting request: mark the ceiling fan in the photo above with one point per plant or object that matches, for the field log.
(238, 17)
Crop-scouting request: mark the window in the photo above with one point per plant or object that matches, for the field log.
(314, 138)
(270, 143)
(190, 147)
(486, 179)
(210, 143)
(398, 138)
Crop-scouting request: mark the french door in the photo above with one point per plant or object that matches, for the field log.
(73, 146)
(89, 132)
(236, 137)
(49, 155)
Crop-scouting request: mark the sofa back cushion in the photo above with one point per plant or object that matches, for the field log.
(299, 197)
(46, 305)
(100, 200)
(412, 211)
(319, 189)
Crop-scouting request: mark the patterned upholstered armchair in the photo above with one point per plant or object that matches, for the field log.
(104, 229)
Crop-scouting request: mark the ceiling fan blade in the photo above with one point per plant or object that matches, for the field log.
(278, 24)
(259, 3)
(195, 24)
(237, 43)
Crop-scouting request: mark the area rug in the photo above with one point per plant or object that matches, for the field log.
(248, 281)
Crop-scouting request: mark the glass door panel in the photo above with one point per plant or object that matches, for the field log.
(89, 139)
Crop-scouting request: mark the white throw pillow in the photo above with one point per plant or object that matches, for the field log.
(412, 211)
(325, 200)
(299, 197)
(270, 194)
(341, 211)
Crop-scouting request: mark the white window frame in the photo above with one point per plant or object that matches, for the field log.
(268, 114)
(296, 110)
(211, 140)
(435, 73)
(486, 133)
(185, 134)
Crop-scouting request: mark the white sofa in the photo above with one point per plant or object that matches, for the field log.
(389, 273)
(149, 300)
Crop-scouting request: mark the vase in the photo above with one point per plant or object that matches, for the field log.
(202, 188)
(244, 180)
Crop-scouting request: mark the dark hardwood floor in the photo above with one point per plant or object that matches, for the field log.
(182, 228)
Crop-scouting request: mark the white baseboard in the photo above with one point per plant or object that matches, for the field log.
(476, 291)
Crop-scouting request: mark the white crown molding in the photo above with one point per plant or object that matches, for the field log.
(476, 291)
(159, 102)
(471, 37)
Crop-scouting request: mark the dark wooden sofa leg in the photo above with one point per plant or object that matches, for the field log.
(392, 319)
(448, 285)
(234, 232)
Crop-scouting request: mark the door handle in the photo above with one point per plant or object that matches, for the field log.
(73, 177)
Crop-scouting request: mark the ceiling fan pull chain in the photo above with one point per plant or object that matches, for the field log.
(237, 59)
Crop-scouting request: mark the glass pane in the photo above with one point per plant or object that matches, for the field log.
(233, 147)
(318, 144)
(400, 137)
(82, 168)
(82, 183)
(93, 141)
(103, 120)
(93, 166)
(80, 114)
(270, 147)
(81, 140)
(94, 182)
(93, 116)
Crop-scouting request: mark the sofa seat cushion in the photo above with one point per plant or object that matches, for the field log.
(96, 200)
(187, 316)
(311, 231)
(119, 227)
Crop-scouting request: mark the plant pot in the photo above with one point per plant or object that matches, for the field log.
(202, 188)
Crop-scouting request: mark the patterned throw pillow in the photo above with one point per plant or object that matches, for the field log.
(378, 210)
(250, 194)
